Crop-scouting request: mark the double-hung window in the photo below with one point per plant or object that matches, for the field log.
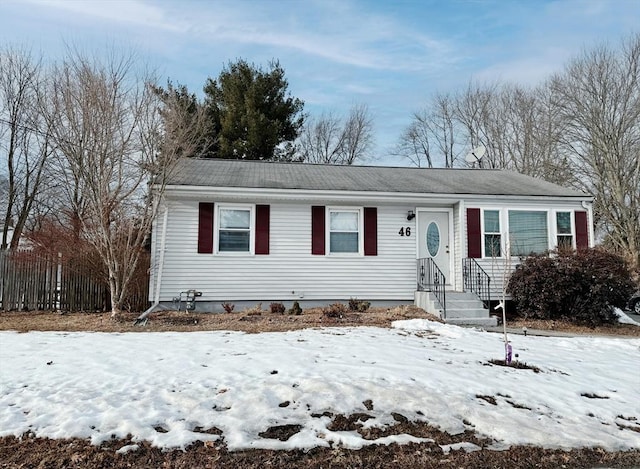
(492, 237)
(564, 234)
(528, 232)
(344, 231)
(234, 229)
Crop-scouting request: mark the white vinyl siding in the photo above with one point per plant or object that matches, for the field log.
(290, 271)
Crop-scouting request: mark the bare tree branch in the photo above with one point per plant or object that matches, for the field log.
(24, 137)
(330, 140)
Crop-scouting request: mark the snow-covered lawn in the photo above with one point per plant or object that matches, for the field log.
(169, 387)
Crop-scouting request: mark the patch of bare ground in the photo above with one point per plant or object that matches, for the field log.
(563, 326)
(251, 320)
(31, 452)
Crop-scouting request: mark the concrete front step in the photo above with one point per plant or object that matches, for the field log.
(466, 312)
(464, 304)
(466, 309)
(457, 295)
(462, 308)
(490, 321)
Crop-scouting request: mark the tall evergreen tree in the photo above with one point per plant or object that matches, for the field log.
(255, 116)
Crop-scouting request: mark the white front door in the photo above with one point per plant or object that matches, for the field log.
(433, 239)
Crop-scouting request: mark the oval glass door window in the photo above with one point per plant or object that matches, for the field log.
(433, 239)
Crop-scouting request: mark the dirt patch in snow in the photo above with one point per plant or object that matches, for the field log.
(31, 452)
(252, 320)
(256, 321)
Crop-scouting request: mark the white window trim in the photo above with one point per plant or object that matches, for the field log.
(252, 229)
(360, 212)
(554, 229)
(501, 217)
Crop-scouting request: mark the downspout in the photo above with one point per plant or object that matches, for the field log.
(462, 228)
(142, 319)
(588, 206)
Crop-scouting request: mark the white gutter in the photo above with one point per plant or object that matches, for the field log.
(189, 192)
(141, 320)
(588, 206)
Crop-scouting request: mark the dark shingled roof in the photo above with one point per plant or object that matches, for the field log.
(270, 175)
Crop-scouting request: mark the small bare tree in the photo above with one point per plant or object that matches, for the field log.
(332, 140)
(24, 138)
(110, 132)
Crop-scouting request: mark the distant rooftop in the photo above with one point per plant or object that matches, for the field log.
(213, 172)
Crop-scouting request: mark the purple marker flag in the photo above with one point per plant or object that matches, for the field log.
(508, 351)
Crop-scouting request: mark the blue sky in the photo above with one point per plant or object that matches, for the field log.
(390, 55)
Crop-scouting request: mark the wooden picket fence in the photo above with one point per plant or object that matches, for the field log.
(29, 282)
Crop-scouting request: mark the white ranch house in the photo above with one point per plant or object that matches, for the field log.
(246, 232)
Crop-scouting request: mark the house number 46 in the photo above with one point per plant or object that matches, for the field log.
(405, 231)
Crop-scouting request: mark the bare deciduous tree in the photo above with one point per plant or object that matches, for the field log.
(598, 96)
(433, 128)
(415, 142)
(523, 134)
(109, 130)
(331, 140)
(517, 126)
(474, 109)
(24, 138)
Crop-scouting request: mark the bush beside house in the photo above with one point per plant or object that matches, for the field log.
(582, 286)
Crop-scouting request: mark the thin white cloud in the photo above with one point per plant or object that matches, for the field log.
(528, 71)
(119, 11)
(556, 33)
(338, 32)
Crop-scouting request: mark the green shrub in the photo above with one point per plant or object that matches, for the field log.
(295, 309)
(582, 287)
(358, 305)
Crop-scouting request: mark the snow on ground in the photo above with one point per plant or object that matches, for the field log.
(623, 318)
(169, 387)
